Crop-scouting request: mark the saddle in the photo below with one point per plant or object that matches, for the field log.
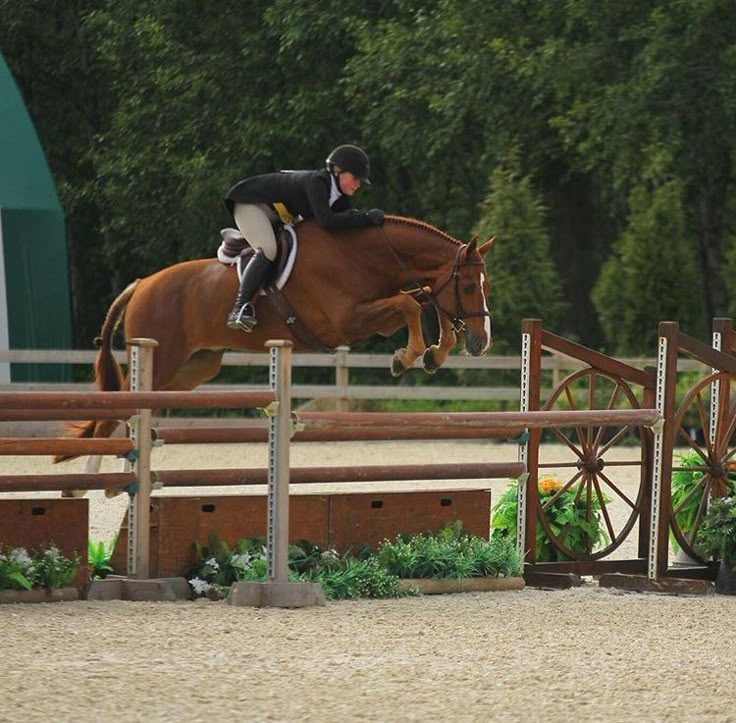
(235, 250)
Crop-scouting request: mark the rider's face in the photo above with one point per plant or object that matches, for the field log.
(349, 183)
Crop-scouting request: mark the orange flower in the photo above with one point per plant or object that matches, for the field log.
(549, 485)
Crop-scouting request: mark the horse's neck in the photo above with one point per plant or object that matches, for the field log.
(425, 251)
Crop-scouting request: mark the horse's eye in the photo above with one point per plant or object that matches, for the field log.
(469, 288)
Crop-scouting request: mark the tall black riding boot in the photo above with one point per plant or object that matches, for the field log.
(243, 315)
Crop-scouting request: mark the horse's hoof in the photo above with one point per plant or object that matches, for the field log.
(430, 365)
(397, 368)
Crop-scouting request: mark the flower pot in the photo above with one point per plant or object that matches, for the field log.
(443, 586)
(37, 595)
(726, 579)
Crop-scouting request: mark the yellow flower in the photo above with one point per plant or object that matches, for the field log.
(549, 485)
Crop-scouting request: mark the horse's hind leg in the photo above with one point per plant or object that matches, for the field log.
(201, 366)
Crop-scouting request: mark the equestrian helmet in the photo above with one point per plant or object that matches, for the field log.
(350, 158)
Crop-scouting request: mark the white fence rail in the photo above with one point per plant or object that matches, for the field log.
(342, 361)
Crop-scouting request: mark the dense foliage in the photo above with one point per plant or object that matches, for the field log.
(595, 138)
(571, 523)
(446, 553)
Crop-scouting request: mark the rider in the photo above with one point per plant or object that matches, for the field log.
(259, 203)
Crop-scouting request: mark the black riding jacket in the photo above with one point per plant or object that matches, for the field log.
(304, 193)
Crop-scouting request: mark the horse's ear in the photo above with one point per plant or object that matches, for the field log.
(482, 250)
(472, 244)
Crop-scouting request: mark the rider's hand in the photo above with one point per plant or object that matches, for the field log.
(375, 216)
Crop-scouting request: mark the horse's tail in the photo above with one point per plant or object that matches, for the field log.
(108, 375)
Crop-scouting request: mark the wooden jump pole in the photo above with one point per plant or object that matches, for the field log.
(135, 400)
(325, 475)
(254, 431)
(139, 504)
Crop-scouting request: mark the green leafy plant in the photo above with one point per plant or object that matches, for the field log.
(48, 568)
(717, 535)
(98, 558)
(218, 566)
(449, 553)
(687, 495)
(345, 578)
(566, 514)
(16, 569)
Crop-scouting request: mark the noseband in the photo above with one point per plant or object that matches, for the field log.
(457, 319)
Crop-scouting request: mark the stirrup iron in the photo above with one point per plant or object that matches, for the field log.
(245, 319)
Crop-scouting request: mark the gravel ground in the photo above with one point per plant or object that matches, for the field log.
(582, 654)
(586, 655)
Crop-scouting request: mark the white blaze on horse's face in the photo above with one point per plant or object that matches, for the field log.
(487, 323)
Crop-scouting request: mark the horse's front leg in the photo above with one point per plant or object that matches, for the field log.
(436, 355)
(385, 316)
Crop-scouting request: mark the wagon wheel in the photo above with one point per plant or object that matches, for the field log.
(595, 459)
(715, 449)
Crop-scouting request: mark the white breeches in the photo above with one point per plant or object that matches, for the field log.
(255, 223)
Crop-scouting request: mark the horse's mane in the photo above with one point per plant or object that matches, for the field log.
(406, 221)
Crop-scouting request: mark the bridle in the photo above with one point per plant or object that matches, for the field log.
(430, 295)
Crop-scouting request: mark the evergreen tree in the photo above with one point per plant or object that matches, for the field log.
(652, 275)
(524, 280)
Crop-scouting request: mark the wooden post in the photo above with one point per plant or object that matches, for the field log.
(342, 377)
(664, 440)
(531, 366)
(139, 505)
(277, 542)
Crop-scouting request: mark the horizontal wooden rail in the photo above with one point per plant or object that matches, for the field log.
(327, 360)
(66, 481)
(483, 420)
(23, 446)
(62, 415)
(367, 473)
(259, 476)
(138, 400)
(332, 433)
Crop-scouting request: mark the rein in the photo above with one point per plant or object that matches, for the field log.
(457, 319)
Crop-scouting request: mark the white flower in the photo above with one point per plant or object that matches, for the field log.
(213, 563)
(199, 586)
(20, 555)
(242, 560)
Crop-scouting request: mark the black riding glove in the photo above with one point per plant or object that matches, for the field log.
(375, 216)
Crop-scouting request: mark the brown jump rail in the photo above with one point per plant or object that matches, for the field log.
(23, 446)
(137, 400)
(508, 421)
(318, 475)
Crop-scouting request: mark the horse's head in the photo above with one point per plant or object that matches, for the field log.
(464, 297)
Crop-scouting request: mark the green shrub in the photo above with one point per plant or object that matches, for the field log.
(47, 568)
(448, 553)
(566, 513)
(685, 498)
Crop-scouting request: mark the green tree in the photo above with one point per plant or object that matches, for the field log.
(524, 280)
(652, 275)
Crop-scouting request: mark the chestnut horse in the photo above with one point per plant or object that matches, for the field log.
(345, 287)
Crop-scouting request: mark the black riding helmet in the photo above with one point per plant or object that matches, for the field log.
(350, 158)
